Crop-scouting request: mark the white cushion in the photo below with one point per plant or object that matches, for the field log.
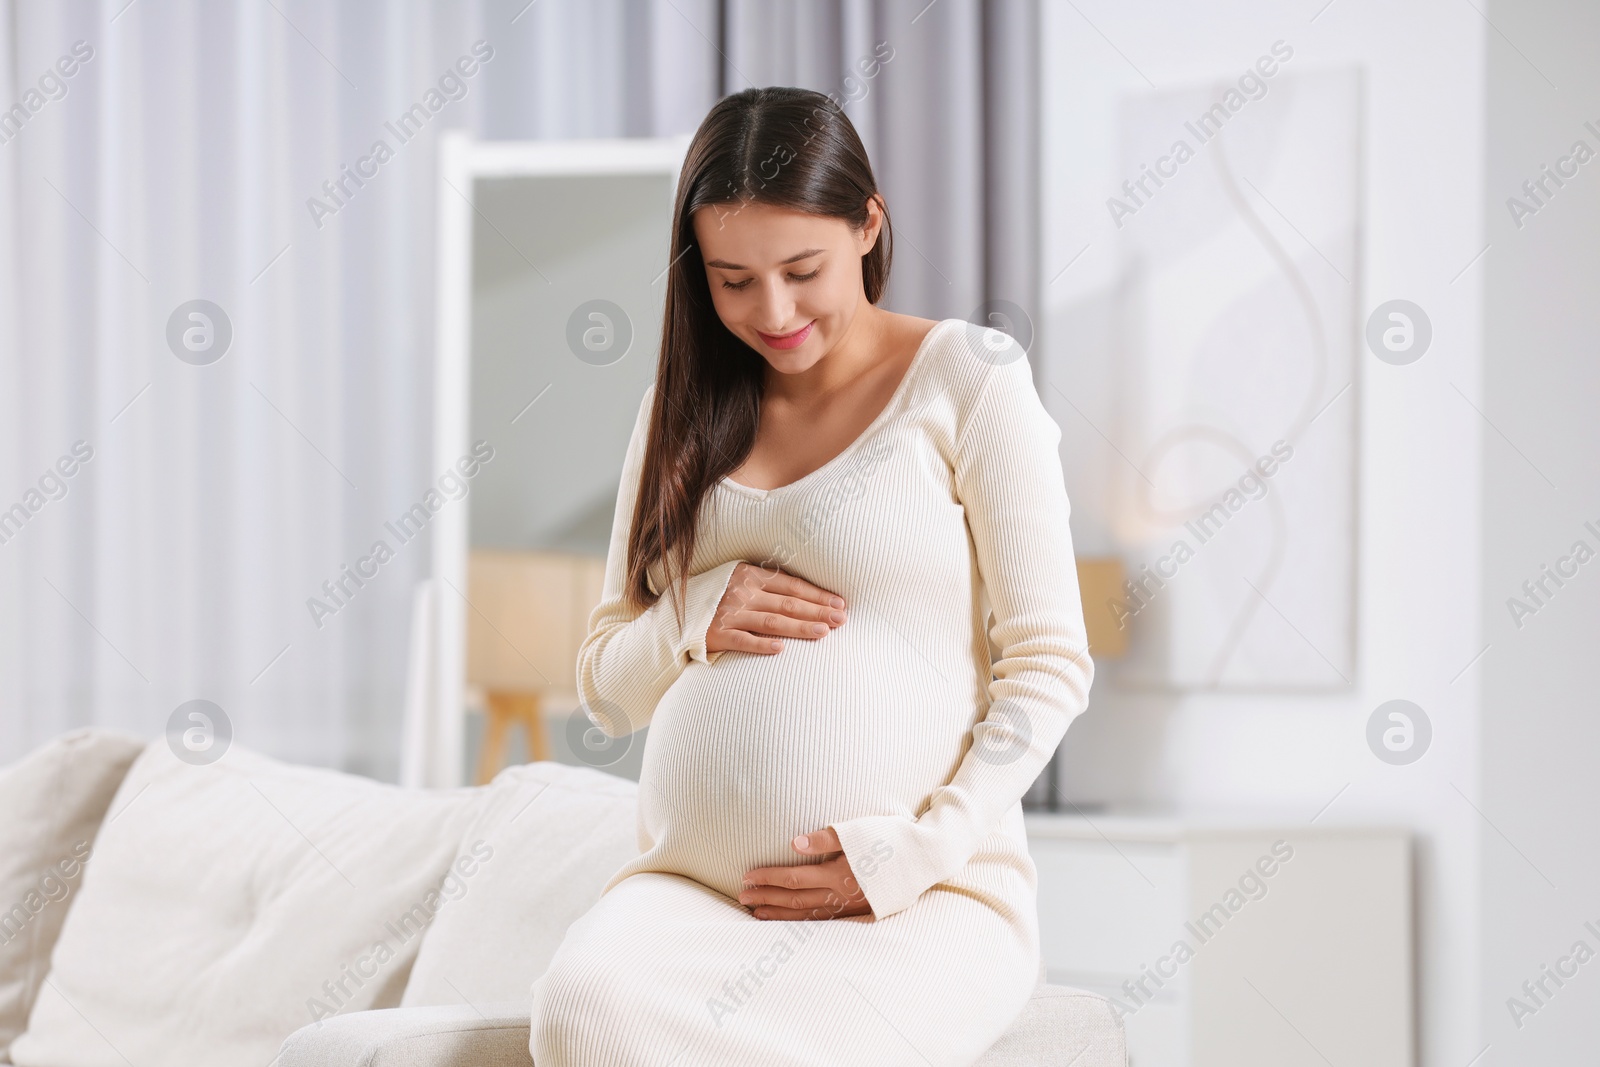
(230, 904)
(545, 842)
(51, 804)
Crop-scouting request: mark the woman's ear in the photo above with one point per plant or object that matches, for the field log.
(868, 236)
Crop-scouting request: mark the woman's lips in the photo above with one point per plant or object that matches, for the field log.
(788, 340)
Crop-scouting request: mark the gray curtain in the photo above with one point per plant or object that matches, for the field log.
(948, 118)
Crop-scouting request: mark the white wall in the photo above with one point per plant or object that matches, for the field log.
(1541, 735)
(1419, 468)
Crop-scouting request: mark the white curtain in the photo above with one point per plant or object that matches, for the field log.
(176, 162)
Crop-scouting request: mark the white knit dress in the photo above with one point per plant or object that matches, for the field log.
(909, 729)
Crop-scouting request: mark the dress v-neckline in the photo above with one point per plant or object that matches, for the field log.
(882, 417)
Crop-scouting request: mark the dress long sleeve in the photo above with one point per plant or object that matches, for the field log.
(1008, 476)
(630, 657)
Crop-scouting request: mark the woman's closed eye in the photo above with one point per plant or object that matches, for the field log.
(793, 277)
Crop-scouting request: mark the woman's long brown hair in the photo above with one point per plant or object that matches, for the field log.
(781, 146)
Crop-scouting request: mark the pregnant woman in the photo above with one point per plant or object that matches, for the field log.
(841, 593)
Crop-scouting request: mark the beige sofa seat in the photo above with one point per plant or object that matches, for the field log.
(557, 833)
(253, 913)
(1060, 1027)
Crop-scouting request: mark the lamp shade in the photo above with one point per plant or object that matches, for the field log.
(527, 615)
(1100, 585)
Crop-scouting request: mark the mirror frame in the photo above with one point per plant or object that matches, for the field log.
(433, 742)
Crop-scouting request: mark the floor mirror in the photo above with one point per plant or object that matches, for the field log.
(551, 274)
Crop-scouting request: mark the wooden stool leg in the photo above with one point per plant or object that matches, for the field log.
(533, 723)
(498, 710)
(527, 713)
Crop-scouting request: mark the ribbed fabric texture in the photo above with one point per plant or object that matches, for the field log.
(912, 729)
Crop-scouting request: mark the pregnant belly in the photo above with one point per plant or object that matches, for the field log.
(747, 752)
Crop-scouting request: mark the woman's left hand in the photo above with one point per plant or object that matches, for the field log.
(826, 890)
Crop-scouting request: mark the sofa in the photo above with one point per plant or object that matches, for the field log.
(162, 912)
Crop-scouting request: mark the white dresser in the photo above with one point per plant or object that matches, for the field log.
(1230, 942)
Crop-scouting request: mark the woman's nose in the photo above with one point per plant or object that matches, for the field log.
(777, 308)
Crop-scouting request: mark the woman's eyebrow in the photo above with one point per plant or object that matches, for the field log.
(725, 265)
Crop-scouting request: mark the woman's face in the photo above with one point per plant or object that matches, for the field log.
(785, 282)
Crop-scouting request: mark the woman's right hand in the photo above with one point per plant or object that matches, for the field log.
(761, 606)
